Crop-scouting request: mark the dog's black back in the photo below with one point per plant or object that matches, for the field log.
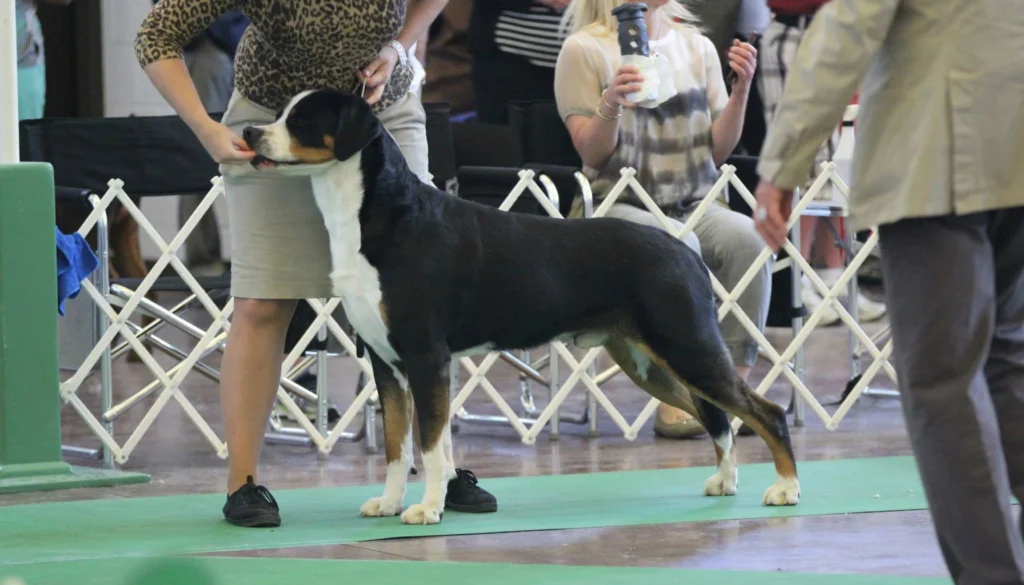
(507, 279)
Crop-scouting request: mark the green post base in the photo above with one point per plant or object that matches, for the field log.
(41, 477)
(30, 433)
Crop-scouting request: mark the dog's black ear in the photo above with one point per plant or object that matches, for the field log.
(358, 126)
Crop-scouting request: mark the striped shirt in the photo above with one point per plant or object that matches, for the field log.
(534, 34)
(668, 145)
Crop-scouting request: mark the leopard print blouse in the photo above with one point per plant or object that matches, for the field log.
(291, 45)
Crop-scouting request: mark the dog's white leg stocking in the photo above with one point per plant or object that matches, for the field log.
(449, 456)
(431, 509)
(785, 492)
(390, 504)
(726, 479)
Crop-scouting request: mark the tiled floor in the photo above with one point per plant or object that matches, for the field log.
(181, 461)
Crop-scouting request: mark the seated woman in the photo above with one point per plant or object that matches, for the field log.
(675, 147)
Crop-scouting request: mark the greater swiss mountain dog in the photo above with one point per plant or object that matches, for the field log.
(425, 277)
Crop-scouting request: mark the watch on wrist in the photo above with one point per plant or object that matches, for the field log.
(403, 55)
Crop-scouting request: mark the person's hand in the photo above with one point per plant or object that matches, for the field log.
(627, 80)
(556, 5)
(224, 146)
(743, 61)
(771, 216)
(377, 73)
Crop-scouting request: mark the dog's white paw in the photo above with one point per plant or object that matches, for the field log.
(720, 484)
(379, 507)
(420, 515)
(785, 492)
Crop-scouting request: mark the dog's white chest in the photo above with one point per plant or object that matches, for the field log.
(339, 196)
(361, 297)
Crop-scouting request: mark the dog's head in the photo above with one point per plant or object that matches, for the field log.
(315, 127)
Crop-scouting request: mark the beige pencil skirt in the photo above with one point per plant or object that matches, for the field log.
(279, 246)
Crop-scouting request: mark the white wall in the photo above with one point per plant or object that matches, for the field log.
(128, 92)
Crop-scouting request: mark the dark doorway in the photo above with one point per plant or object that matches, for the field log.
(74, 59)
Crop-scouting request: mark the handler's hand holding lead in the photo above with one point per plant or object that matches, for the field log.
(772, 214)
(375, 76)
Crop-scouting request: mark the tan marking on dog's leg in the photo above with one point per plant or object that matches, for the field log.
(653, 378)
(383, 313)
(786, 491)
(397, 406)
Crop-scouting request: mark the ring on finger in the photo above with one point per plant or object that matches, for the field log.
(761, 214)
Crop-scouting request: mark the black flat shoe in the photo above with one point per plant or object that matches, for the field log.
(252, 506)
(465, 495)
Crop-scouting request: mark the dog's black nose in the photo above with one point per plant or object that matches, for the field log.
(251, 136)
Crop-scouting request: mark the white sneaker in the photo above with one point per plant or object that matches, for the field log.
(812, 300)
(867, 309)
(212, 269)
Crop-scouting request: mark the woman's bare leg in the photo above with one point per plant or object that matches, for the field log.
(250, 376)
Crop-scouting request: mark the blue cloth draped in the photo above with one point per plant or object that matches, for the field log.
(75, 262)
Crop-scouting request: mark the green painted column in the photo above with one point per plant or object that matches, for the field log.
(30, 433)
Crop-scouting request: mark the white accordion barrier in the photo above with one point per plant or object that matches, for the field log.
(116, 306)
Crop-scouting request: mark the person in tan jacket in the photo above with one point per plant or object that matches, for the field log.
(939, 169)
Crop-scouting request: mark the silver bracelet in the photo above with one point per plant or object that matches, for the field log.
(403, 56)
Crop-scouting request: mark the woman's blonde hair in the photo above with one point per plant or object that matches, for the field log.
(596, 16)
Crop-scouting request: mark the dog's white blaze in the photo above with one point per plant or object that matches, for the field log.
(339, 194)
(276, 141)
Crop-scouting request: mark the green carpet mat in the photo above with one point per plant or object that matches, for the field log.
(175, 525)
(266, 571)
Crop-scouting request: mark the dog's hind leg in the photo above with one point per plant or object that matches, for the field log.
(428, 383)
(651, 374)
(397, 409)
(707, 370)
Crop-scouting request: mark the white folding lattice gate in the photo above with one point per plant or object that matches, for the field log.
(168, 384)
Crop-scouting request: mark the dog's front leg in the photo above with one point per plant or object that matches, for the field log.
(397, 406)
(429, 387)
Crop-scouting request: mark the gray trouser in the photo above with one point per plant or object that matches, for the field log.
(955, 288)
(213, 74)
(728, 244)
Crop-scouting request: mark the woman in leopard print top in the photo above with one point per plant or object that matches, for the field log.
(291, 46)
(280, 250)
